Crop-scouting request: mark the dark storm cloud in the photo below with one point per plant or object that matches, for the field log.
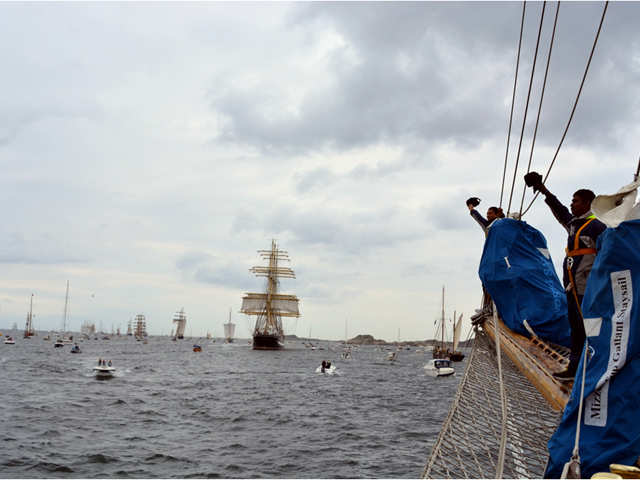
(443, 72)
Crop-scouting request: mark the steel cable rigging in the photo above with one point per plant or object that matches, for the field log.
(526, 108)
(575, 104)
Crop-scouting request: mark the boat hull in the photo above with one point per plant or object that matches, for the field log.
(104, 373)
(267, 342)
(456, 356)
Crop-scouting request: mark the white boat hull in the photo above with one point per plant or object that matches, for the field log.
(328, 371)
(439, 368)
(104, 372)
(439, 372)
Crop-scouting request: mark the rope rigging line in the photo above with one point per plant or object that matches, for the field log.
(503, 399)
(544, 84)
(526, 108)
(575, 104)
(513, 99)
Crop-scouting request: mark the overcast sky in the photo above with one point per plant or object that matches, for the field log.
(148, 150)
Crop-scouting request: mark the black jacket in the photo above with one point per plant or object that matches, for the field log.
(582, 264)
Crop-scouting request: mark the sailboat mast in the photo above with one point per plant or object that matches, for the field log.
(442, 317)
(66, 305)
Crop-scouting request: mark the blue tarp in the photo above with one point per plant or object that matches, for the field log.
(610, 426)
(517, 271)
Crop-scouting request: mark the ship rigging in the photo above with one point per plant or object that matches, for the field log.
(270, 306)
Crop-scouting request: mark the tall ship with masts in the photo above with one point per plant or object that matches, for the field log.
(140, 327)
(29, 331)
(229, 330)
(180, 319)
(269, 307)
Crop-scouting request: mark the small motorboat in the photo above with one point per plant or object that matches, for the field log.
(76, 349)
(197, 348)
(9, 341)
(392, 356)
(327, 368)
(104, 370)
(439, 367)
(59, 343)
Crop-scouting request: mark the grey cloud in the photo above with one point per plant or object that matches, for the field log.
(345, 231)
(317, 178)
(43, 249)
(206, 268)
(461, 61)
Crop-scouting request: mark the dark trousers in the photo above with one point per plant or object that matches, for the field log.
(578, 335)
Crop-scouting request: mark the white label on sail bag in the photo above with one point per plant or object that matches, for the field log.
(596, 403)
(595, 407)
(592, 326)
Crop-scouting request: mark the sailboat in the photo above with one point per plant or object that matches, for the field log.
(270, 306)
(456, 355)
(140, 327)
(440, 351)
(129, 329)
(66, 339)
(28, 329)
(180, 319)
(229, 330)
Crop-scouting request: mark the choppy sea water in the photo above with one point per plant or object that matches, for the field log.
(225, 412)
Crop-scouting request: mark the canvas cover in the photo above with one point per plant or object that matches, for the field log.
(517, 271)
(610, 426)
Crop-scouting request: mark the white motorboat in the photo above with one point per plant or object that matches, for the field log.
(439, 367)
(103, 372)
(9, 341)
(327, 370)
(392, 356)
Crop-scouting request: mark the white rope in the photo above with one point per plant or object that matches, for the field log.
(572, 467)
(503, 399)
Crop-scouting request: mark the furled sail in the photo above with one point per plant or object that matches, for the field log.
(456, 333)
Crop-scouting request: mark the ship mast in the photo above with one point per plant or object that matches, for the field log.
(66, 305)
(28, 331)
(442, 326)
(270, 306)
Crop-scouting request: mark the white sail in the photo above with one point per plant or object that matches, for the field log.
(229, 329)
(283, 305)
(180, 319)
(456, 333)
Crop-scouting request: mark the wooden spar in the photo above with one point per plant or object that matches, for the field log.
(530, 365)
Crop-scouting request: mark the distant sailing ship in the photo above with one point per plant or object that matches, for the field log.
(129, 328)
(180, 319)
(229, 330)
(28, 329)
(88, 329)
(140, 327)
(270, 306)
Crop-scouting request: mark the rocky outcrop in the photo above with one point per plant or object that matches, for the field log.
(366, 340)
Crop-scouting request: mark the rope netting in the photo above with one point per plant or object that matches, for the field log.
(469, 441)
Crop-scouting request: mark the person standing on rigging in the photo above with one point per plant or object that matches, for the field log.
(583, 229)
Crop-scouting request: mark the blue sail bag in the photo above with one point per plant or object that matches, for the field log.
(517, 271)
(610, 425)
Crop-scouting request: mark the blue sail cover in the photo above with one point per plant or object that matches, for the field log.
(517, 271)
(610, 426)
